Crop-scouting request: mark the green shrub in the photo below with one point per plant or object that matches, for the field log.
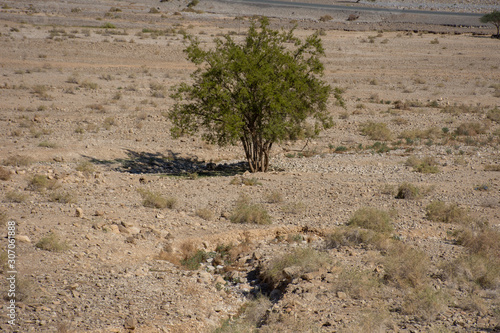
(193, 262)
(376, 131)
(108, 25)
(371, 218)
(52, 243)
(351, 236)
(247, 212)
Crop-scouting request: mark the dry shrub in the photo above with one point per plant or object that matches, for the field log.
(439, 211)
(18, 160)
(349, 236)
(15, 196)
(86, 167)
(247, 212)
(325, 18)
(294, 208)
(62, 197)
(373, 321)
(4, 173)
(252, 315)
(494, 114)
(408, 191)
(52, 243)
(376, 131)
(274, 197)
(470, 129)
(492, 167)
(424, 302)
(426, 164)
(156, 200)
(405, 266)
(301, 260)
(41, 183)
(482, 270)
(358, 284)
(430, 133)
(205, 213)
(371, 218)
(460, 109)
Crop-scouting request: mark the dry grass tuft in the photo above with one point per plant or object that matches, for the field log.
(439, 211)
(52, 243)
(156, 200)
(405, 266)
(371, 218)
(247, 212)
(4, 173)
(376, 131)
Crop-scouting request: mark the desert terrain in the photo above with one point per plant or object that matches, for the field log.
(387, 222)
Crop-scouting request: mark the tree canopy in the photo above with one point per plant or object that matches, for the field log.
(493, 18)
(258, 92)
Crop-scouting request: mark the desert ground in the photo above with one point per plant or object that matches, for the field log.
(387, 222)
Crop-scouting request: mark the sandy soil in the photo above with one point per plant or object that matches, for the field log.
(83, 105)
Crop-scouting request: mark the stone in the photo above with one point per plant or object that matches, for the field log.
(341, 295)
(130, 323)
(23, 239)
(79, 212)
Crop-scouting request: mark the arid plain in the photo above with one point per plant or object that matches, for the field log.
(388, 222)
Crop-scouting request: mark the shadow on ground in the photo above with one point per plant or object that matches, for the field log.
(170, 164)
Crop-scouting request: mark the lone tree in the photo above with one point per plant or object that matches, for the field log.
(256, 92)
(493, 18)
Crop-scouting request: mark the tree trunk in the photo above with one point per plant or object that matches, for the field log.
(256, 152)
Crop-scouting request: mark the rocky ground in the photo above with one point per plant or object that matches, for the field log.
(86, 151)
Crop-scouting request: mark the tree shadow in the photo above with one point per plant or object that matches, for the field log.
(171, 165)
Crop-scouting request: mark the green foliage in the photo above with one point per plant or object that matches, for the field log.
(493, 18)
(371, 218)
(257, 92)
(423, 165)
(193, 262)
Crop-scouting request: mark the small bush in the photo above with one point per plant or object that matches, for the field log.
(15, 196)
(193, 262)
(325, 18)
(62, 197)
(408, 191)
(376, 131)
(4, 173)
(354, 237)
(18, 160)
(205, 213)
(47, 144)
(274, 196)
(108, 25)
(423, 165)
(492, 167)
(405, 266)
(294, 208)
(371, 218)
(438, 211)
(52, 243)
(86, 167)
(494, 114)
(246, 212)
(245, 181)
(470, 129)
(156, 200)
(358, 284)
(301, 260)
(41, 183)
(424, 302)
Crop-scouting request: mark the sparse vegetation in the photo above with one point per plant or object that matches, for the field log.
(52, 243)
(18, 160)
(41, 183)
(376, 131)
(285, 268)
(15, 196)
(408, 191)
(156, 200)
(405, 266)
(426, 164)
(4, 173)
(205, 213)
(371, 218)
(248, 212)
(439, 211)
